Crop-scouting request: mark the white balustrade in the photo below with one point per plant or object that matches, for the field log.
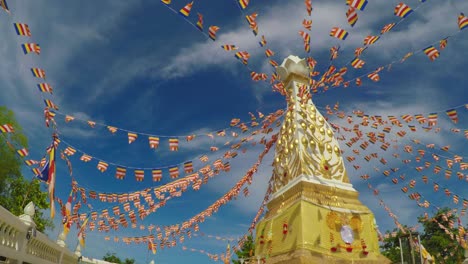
(20, 243)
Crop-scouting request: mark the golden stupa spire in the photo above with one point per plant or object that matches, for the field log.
(306, 147)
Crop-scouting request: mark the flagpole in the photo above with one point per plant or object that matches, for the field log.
(420, 248)
(401, 250)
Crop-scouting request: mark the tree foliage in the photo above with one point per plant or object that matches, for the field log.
(390, 247)
(15, 190)
(111, 257)
(247, 250)
(435, 240)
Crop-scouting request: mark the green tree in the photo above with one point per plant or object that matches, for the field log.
(246, 252)
(15, 190)
(437, 242)
(111, 257)
(390, 247)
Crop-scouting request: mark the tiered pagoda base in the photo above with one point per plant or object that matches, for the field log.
(305, 224)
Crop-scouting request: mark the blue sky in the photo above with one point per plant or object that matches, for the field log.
(138, 66)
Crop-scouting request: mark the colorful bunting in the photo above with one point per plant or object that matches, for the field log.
(4, 6)
(358, 4)
(229, 47)
(387, 28)
(452, 114)
(357, 63)
(139, 175)
(462, 21)
(431, 52)
(262, 42)
(7, 128)
(307, 24)
(402, 10)
(50, 104)
(306, 38)
(153, 142)
(200, 22)
(443, 43)
(369, 40)
(120, 173)
(185, 11)
(23, 152)
(308, 4)
(45, 88)
(157, 175)
(174, 172)
(339, 33)
(22, 29)
(102, 166)
(173, 144)
(31, 47)
(131, 137)
(212, 32)
(352, 16)
(38, 73)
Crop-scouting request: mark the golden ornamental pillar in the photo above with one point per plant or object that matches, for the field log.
(314, 214)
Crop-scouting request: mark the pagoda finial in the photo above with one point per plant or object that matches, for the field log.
(292, 65)
(306, 145)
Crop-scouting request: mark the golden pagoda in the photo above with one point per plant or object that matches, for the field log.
(314, 213)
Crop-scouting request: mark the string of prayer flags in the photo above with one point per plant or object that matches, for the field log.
(185, 11)
(229, 47)
(307, 24)
(308, 4)
(200, 22)
(45, 88)
(132, 137)
(431, 52)
(23, 152)
(369, 40)
(120, 173)
(50, 104)
(443, 43)
(263, 41)
(352, 16)
(4, 6)
(173, 144)
(334, 52)
(31, 47)
(38, 73)
(306, 38)
(22, 29)
(243, 3)
(374, 76)
(402, 10)
(462, 21)
(358, 4)
(357, 63)
(339, 33)
(139, 175)
(174, 172)
(269, 53)
(102, 166)
(252, 20)
(212, 32)
(243, 56)
(85, 158)
(387, 28)
(153, 142)
(452, 114)
(7, 128)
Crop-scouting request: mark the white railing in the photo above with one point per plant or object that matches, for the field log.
(20, 243)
